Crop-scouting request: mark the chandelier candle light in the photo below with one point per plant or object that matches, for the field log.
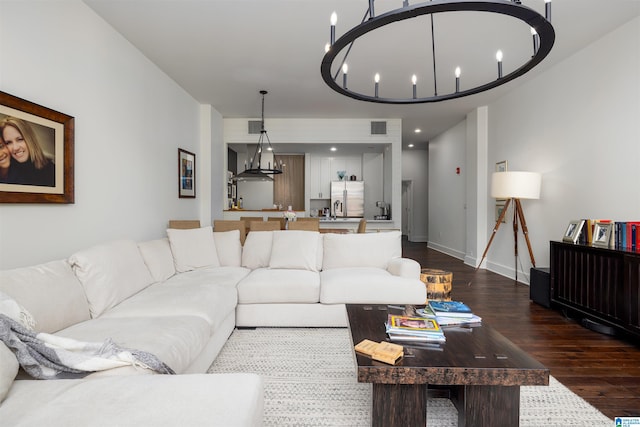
(540, 26)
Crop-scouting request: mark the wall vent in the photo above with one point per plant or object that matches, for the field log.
(378, 128)
(255, 126)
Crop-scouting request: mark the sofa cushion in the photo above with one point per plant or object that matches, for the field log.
(228, 248)
(65, 302)
(294, 249)
(193, 248)
(12, 309)
(158, 258)
(8, 369)
(361, 249)
(229, 400)
(176, 340)
(180, 296)
(366, 285)
(110, 273)
(256, 252)
(266, 285)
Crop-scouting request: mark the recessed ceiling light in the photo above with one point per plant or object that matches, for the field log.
(334, 149)
(418, 130)
(410, 145)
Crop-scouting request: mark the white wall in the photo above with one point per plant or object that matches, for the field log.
(447, 191)
(577, 124)
(130, 118)
(415, 168)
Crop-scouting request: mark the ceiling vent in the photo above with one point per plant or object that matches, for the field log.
(378, 128)
(255, 126)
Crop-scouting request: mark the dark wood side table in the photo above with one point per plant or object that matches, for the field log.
(483, 369)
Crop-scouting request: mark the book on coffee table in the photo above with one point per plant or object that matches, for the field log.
(413, 329)
(450, 309)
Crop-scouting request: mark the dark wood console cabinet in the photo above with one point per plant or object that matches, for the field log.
(602, 285)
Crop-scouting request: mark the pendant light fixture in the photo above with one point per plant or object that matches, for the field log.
(254, 169)
(539, 27)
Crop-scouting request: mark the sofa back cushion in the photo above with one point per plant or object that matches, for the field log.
(361, 249)
(228, 248)
(294, 249)
(158, 258)
(192, 249)
(256, 251)
(50, 292)
(110, 273)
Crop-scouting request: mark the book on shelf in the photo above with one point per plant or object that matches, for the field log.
(381, 351)
(450, 309)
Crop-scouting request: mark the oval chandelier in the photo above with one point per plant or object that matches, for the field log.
(541, 30)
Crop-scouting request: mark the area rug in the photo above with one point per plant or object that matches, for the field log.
(310, 380)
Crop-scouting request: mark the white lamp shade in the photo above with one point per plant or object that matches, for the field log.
(515, 185)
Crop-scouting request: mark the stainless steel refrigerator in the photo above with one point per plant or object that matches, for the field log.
(347, 199)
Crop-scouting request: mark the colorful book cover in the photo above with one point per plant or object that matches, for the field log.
(399, 323)
(450, 308)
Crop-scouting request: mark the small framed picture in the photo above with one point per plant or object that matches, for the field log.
(572, 233)
(602, 234)
(499, 210)
(186, 174)
(501, 166)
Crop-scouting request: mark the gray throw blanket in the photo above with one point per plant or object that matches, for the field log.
(46, 356)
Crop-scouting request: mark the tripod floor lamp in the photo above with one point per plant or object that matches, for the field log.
(514, 186)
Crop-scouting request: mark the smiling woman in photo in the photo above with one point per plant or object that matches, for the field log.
(29, 165)
(5, 162)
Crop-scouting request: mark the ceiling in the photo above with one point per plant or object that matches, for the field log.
(223, 52)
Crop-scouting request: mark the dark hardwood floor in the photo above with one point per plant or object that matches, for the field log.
(603, 370)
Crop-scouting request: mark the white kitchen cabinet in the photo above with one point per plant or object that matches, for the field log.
(323, 170)
(352, 165)
(319, 181)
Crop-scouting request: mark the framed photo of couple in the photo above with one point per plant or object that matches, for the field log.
(36, 153)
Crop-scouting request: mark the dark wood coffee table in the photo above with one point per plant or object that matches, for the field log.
(483, 370)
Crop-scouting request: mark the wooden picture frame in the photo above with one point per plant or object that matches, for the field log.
(186, 174)
(602, 234)
(572, 233)
(36, 153)
(501, 166)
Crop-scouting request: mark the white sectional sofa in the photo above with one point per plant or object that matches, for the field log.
(180, 298)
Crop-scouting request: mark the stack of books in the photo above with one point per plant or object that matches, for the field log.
(407, 328)
(448, 313)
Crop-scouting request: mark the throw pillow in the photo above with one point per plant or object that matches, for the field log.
(294, 249)
(361, 249)
(157, 255)
(228, 247)
(193, 248)
(8, 370)
(110, 273)
(257, 249)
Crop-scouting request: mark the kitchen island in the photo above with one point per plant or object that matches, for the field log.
(325, 223)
